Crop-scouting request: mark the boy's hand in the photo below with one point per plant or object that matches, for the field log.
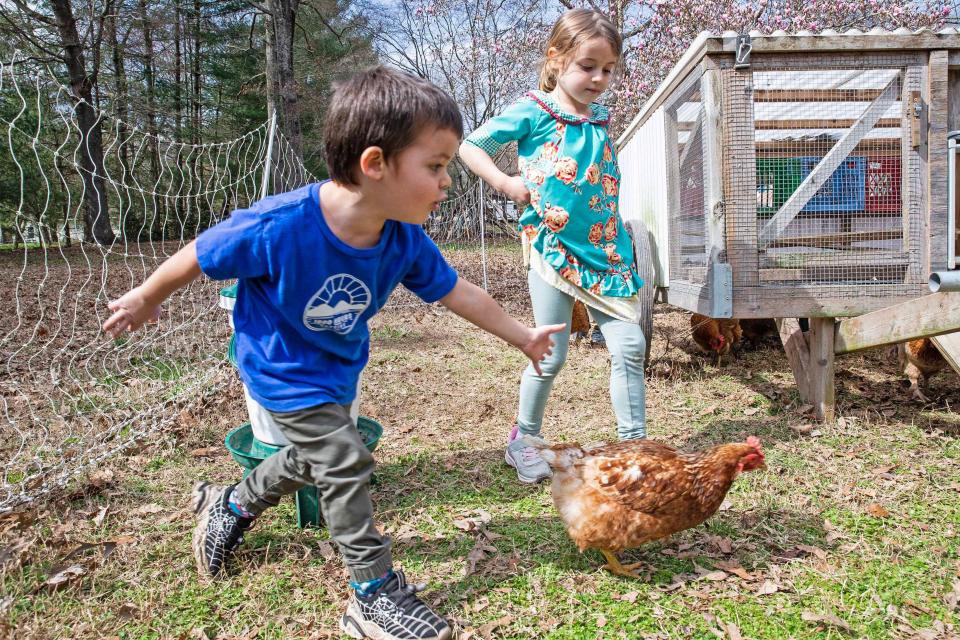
(540, 344)
(516, 190)
(130, 312)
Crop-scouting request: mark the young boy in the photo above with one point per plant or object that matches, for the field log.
(313, 266)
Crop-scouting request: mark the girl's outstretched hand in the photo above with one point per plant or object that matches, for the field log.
(540, 344)
(130, 312)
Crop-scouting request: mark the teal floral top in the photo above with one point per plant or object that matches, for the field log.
(568, 164)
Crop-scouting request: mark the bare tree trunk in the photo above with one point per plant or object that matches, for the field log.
(97, 213)
(284, 14)
(120, 100)
(197, 75)
(177, 68)
(151, 82)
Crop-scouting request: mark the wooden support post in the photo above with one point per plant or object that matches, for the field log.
(820, 373)
(930, 315)
(812, 363)
(798, 355)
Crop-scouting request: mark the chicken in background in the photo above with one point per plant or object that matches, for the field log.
(580, 322)
(920, 360)
(622, 495)
(716, 335)
(757, 330)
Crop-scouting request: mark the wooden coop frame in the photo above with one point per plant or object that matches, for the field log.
(804, 176)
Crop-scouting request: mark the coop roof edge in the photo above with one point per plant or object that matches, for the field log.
(781, 41)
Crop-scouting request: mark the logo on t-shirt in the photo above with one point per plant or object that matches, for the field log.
(337, 305)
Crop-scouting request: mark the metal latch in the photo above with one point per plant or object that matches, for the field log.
(744, 47)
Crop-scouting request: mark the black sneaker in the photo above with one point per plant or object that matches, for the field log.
(219, 531)
(393, 612)
(596, 337)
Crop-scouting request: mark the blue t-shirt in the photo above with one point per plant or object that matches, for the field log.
(304, 296)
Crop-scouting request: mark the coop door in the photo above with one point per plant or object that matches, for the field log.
(833, 173)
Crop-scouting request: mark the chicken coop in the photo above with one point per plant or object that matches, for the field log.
(804, 175)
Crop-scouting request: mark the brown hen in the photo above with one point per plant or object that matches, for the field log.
(920, 360)
(718, 335)
(619, 496)
(580, 321)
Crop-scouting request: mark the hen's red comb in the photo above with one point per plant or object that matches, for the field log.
(754, 442)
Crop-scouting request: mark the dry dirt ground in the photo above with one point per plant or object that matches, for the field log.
(852, 532)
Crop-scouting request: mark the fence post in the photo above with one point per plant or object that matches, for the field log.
(268, 164)
(483, 235)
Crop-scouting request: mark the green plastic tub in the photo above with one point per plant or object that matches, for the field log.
(249, 452)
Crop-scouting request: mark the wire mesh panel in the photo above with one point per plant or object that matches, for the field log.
(837, 214)
(685, 140)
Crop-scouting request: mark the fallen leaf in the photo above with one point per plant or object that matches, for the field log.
(101, 514)
(630, 596)
(952, 599)
(725, 545)
(827, 619)
(101, 478)
(207, 452)
(768, 587)
(602, 621)
(805, 409)
(486, 630)
(478, 553)
(749, 411)
(802, 429)
(146, 510)
(327, 552)
(708, 411)
(877, 510)
(817, 551)
(716, 576)
(127, 611)
(465, 524)
(734, 568)
(63, 576)
(732, 630)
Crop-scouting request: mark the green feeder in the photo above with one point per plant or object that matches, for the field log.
(777, 179)
(228, 297)
(249, 452)
(232, 349)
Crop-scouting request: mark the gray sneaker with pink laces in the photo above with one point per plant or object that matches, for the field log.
(531, 468)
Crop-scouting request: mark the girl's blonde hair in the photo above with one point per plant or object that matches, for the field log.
(573, 29)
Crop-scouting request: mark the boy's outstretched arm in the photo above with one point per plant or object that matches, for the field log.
(469, 301)
(142, 304)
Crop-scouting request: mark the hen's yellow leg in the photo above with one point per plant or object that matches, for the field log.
(613, 565)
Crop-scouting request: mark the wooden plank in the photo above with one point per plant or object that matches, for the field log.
(798, 353)
(791, 148)
(822, 172)
(816, 95)
(937, 162)
(836, 240)
(712, 119)
(931, 315)
(693, 297)
(949, 345)
(820, 372)
(821, 123)
(816, 300)
(776, 275)
(851, 258)
(849, 41)
(953, 97)
(672, 158)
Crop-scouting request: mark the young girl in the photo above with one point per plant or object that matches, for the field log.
(575, 244)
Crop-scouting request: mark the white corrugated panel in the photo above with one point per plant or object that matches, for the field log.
(643, 188)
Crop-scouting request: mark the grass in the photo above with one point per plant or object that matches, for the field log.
(852, 532)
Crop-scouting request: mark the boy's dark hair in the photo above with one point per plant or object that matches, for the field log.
(384, 108)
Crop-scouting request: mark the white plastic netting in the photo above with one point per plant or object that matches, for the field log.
(69, 397)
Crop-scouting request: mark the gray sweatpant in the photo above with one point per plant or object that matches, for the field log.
(328, 452)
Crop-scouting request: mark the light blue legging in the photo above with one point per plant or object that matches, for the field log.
(627, 347)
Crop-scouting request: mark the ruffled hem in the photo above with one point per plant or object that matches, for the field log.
(619, 284)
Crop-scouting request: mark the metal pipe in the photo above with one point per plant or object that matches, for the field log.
(945, 281)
